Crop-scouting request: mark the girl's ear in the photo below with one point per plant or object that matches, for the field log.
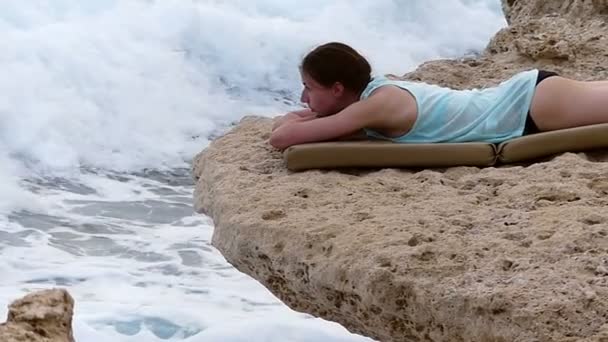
(337, 89)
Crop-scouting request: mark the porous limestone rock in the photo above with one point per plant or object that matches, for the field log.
(43, 316)
(513, 253)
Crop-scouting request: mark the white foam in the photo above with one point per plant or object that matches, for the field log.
(12, 195)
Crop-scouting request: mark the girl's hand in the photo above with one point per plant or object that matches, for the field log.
(280, 120)
(300, 115)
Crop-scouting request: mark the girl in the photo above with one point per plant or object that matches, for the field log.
(343, 99)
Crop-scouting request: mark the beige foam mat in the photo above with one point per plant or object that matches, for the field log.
(549, 143)
(376, 154)
(380, 154)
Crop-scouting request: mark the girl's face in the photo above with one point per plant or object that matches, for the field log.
(320, 99)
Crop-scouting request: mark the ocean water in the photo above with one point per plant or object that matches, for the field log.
(104, 104)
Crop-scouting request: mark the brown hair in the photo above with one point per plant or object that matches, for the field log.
(337, 62)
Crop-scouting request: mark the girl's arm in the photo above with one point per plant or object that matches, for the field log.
(370, 112)
(302, 115)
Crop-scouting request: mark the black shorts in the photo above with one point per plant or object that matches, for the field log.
(530, 127)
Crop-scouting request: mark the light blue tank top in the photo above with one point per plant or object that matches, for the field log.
(446, 115)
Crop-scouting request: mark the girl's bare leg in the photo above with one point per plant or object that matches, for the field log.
(560, 103)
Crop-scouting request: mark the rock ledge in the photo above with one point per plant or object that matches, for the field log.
(517, 253)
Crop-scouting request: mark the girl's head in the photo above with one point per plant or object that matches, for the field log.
(334, 76)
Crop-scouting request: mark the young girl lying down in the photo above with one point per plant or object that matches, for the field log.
(343, 99)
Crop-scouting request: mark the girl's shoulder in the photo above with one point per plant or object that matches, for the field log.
(378, 82)
(375, 83)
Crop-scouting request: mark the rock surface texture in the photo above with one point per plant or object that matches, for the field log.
(514, 253)
(44, 316)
